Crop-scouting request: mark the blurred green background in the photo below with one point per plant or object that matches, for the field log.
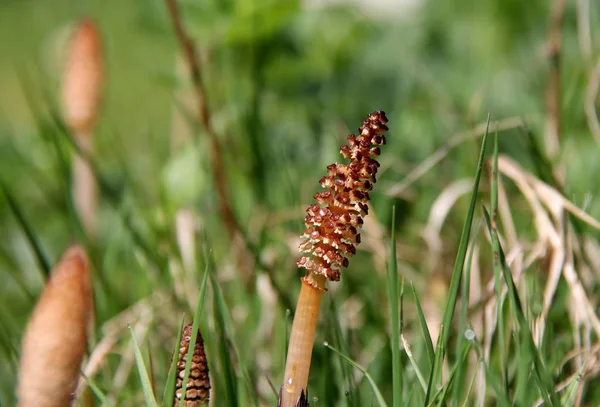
(286, 82)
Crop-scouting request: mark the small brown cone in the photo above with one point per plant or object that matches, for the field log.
(197, 391)
(55, 339)
(82, 79)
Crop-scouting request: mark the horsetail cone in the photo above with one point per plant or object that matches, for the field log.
(332, 232)
(333, 224)
(83, 75)
(55, 339)
(197, 391)
(82, 79)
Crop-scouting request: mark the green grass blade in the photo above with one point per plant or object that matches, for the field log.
(502, 398)
(414, 364)
(424, 328)
(225, 325)
(228, 325)
(169, 390)
(540, 161)
(570, 395)
(464, 306)
(144, 378)
(442, 394)
(220, 309)
(378, 396)
(431, 383)
(334, 330)
(406, 345)
(65, 173)
(392, 280)
(457, 272)
(541, 375)
(471, 384)
(497, 268)
(99, 393)
(195, 325)
(30, 234)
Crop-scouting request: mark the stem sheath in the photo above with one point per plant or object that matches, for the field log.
(302, 339)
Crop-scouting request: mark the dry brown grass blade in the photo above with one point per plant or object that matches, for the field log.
(56, 337)
(543, 199)
(540, 188)
(439, 211)
(548, 236)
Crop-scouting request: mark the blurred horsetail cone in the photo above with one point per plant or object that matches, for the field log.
(55, 339)
(82, 79)
(197, 391)
(81, 94)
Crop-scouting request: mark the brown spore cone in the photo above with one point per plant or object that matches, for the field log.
(197, 391)
(333, 224)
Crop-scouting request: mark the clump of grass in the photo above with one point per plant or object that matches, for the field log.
(332, 231)
(56, 337)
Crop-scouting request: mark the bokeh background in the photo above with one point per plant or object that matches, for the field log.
(286, 82)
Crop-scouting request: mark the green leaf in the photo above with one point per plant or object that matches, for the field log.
(30, 234)
(169, 391)
(497, 267)
(462, 368)
(144, 378)
(392, 280)
(424, 328)
(456, 274)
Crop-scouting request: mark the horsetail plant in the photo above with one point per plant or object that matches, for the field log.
(81, 94)
(332, 232)
(55, 340)
(197, 391)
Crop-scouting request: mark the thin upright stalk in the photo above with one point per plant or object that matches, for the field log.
(302, 338)
(234, 231)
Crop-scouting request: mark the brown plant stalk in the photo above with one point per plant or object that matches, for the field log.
(332, 232)
(197, 392)
(81, 94)
(234, 230)
(55, 340)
